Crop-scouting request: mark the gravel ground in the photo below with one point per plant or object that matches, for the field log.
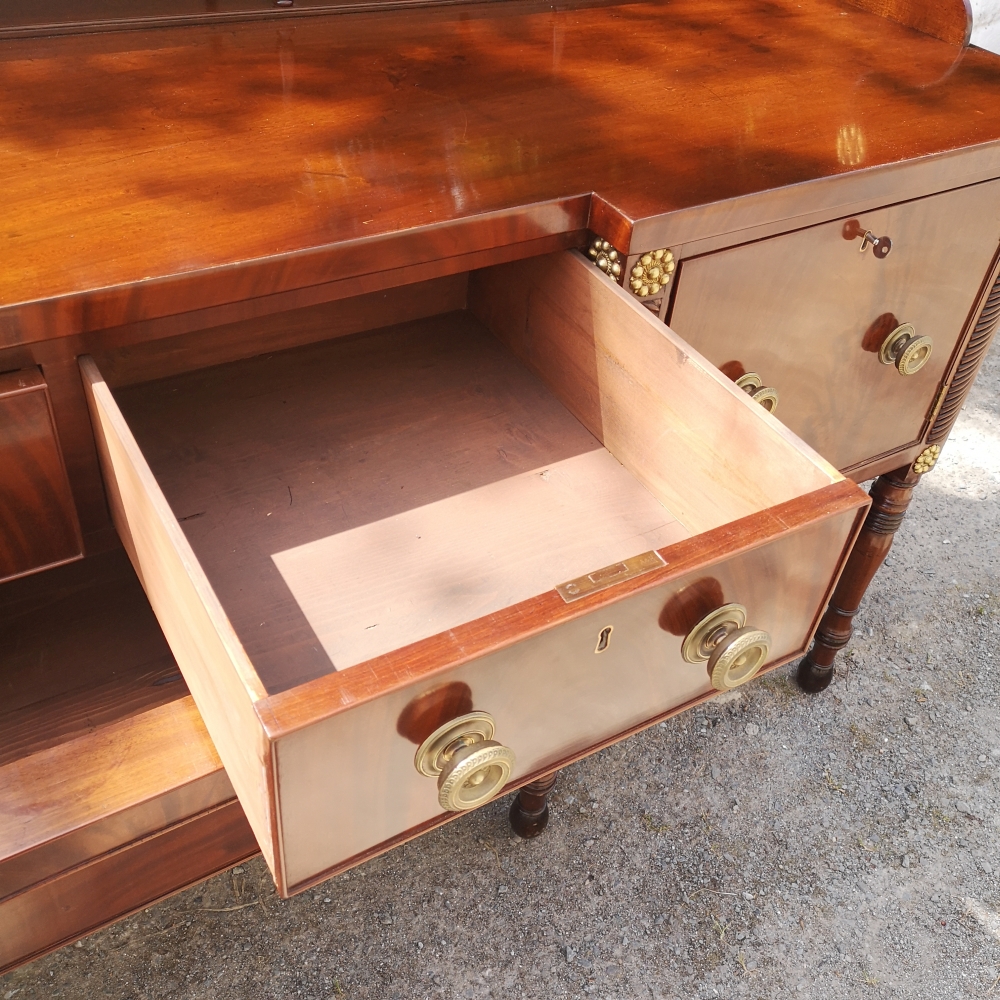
(771, 844)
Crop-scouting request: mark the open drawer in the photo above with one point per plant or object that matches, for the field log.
(405, 569)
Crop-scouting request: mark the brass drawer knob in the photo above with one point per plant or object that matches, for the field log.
(904, 349)
(753, 386)
(734, 652)
(469, 765)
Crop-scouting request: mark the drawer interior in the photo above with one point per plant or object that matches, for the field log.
(350, 497)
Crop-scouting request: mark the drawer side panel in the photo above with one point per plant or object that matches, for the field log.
(214, 665)
(652, 401)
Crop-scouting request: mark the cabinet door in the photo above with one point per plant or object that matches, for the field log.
(38, 524)
(808, 312)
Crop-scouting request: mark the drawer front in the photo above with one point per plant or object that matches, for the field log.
(553, 697)
(807, 311)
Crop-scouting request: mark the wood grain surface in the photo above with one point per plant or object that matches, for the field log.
(442, 564)
(215, 666)
(101, 751)
(949, 20)
(38, 522)
(270, 453)
(85, 796)
(68, 907)
(79, 648)
(226, 162)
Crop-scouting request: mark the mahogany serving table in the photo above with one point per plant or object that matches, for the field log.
(400, 403)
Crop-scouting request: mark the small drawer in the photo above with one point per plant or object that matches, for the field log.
(404, 569)
(809, 313)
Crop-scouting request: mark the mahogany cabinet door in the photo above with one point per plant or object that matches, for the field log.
(38, 522)
(808, 312)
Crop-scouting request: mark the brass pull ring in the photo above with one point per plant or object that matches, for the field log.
(904, 349)
(734, 653)
(469, 765)
(752, 385)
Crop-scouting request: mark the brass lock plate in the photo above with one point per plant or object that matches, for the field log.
(608, 576)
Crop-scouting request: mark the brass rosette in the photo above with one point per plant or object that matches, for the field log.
(606, 257)
(651, 273)
(927, 459)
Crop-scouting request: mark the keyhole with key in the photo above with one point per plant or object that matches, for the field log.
(881, 245)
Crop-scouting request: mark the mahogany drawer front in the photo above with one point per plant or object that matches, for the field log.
(38, 522)
(807, 311)
(334, 536)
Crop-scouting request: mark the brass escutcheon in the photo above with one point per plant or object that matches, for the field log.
(734, 653)
(752, 385)
(904, 349)
(469, 765)
(700, 642)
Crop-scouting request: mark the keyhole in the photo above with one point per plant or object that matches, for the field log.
(604, 639)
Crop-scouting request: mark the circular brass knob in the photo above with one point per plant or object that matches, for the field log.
(734, 653)
(904, 349)
(469, 765)
(738, 657)
(475, 774)
(753, 386)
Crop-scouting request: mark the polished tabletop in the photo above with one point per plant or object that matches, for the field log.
(130, 157)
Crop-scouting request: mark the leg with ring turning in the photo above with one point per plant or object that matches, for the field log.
(891, 496)
(529, 812)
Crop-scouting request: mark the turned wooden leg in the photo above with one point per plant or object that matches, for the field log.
(529, 812)
(891, 496)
